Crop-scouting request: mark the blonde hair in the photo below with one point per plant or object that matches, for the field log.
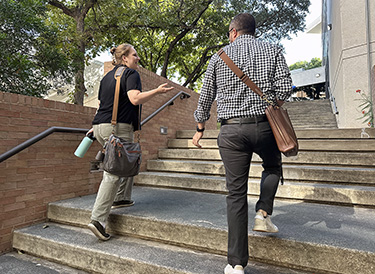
(118, 52)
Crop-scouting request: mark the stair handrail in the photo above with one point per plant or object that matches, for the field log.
(51, 130)
(333, 101)
(37, 138)
(181, 94)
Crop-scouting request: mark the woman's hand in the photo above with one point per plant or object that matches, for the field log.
(136, 97)
(163, 88)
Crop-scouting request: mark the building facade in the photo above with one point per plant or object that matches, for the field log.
(348, 37)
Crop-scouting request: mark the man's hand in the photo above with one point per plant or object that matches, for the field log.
(197, 136)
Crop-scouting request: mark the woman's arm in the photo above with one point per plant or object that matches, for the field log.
(137, 98)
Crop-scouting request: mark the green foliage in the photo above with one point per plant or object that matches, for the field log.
(314, 63)
(177, 38)
(29, 52)
(366, 108)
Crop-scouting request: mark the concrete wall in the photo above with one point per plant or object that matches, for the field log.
(348, 58)
(48, 171)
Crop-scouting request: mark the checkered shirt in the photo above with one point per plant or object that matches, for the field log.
(262, 62)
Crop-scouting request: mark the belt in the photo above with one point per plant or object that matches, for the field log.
(245, 120)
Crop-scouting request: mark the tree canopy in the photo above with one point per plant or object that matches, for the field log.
(314, 63)
(174, 38)
(30, 55)
(177, 38)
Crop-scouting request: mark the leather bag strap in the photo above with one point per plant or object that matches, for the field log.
(118, 75)
(244, 78)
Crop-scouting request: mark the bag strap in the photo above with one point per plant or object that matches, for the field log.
(244, 78)
(118, 75)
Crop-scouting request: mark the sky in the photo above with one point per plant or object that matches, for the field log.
(302, 47)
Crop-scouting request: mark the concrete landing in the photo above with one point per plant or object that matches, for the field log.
(15, 263)
(312, 236)
(78, 248)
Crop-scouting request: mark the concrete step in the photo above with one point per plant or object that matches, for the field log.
(311, 114)
(319, 193)
(16, 263)
(297, 123)
(317, 115)
(318, 111)
(353, 133)
(124, 254)
(299, 173)
(303, 126)
(315, 237)
(303, 157)
(309, 105)
(313, 122)
(324, 102)
(304, 144)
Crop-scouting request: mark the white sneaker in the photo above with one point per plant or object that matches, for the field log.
(264, 224)
(238, 269)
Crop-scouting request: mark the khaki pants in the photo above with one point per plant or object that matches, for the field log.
(112, 187)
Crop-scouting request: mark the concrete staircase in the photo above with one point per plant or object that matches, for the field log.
(311, 114)
(325, 213)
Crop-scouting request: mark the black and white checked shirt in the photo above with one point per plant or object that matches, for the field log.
(262, 62)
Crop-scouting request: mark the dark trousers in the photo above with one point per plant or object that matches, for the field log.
(237, 143)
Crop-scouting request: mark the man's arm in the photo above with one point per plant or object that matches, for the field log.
(207, 97)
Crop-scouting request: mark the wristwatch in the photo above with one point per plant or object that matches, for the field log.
(200, 129)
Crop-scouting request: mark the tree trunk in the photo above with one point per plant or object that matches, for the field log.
(79, 14)
(79, 60)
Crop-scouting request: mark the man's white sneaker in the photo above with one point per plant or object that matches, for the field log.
(238, 269)
(264, 224)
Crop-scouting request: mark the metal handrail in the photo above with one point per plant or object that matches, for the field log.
(333, 101)
(182, 96)
(51, 130)
(37, 138)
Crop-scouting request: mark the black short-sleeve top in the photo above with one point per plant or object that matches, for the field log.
(127, 112)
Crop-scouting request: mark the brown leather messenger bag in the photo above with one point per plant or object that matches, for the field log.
(277, 116)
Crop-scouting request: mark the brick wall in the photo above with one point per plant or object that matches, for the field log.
(48, 171)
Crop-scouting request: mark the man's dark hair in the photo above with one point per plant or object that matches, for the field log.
(244, 23)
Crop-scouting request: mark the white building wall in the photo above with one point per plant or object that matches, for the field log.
(348, 58)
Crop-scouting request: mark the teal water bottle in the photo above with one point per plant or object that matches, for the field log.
(84, 145)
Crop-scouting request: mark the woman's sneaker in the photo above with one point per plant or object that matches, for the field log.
(123, 203)
(98, 230)
(264, 224)
(238, 269)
